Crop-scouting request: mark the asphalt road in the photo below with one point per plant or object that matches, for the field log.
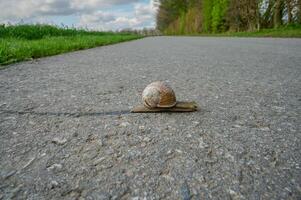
(66, 131)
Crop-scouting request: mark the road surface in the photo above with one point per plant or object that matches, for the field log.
(66, 131)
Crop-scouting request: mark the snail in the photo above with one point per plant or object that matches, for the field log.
(160, 97)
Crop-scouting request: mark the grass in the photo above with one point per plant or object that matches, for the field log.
(284, 32)
(26, 42)
(292, 31)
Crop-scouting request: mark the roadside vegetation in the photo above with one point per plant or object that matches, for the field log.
(25, 42)
(292, 31)
(274, 18)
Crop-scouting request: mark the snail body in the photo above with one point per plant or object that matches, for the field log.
(159, 95)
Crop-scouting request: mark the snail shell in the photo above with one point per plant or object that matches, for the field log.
(159, 95)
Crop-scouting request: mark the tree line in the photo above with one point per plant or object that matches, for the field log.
(213, 16)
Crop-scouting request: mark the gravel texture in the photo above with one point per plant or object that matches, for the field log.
(66, 131)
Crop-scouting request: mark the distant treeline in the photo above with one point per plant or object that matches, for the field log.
(213, 16)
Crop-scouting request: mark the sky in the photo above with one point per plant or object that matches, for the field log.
(91, 14)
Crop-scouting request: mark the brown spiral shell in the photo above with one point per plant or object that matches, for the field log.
(159, 95)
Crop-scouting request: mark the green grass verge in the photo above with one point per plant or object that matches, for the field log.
(14, 50)
(39, 31)
(285, 32)
(293, 31)
(26, 42)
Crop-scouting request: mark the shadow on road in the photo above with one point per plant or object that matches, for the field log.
(68, 114)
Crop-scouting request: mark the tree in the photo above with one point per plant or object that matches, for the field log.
(289, 7)
(299, 12)
(194, 16)
(207, 16)
(278, 13)
(218, 13)
(244, 15)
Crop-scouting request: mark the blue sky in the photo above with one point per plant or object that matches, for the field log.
(92, 14)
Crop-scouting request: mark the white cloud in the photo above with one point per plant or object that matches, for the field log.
(20, 9)
(97, 17)
(145, 9)
(95, 3)
(141, 17)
